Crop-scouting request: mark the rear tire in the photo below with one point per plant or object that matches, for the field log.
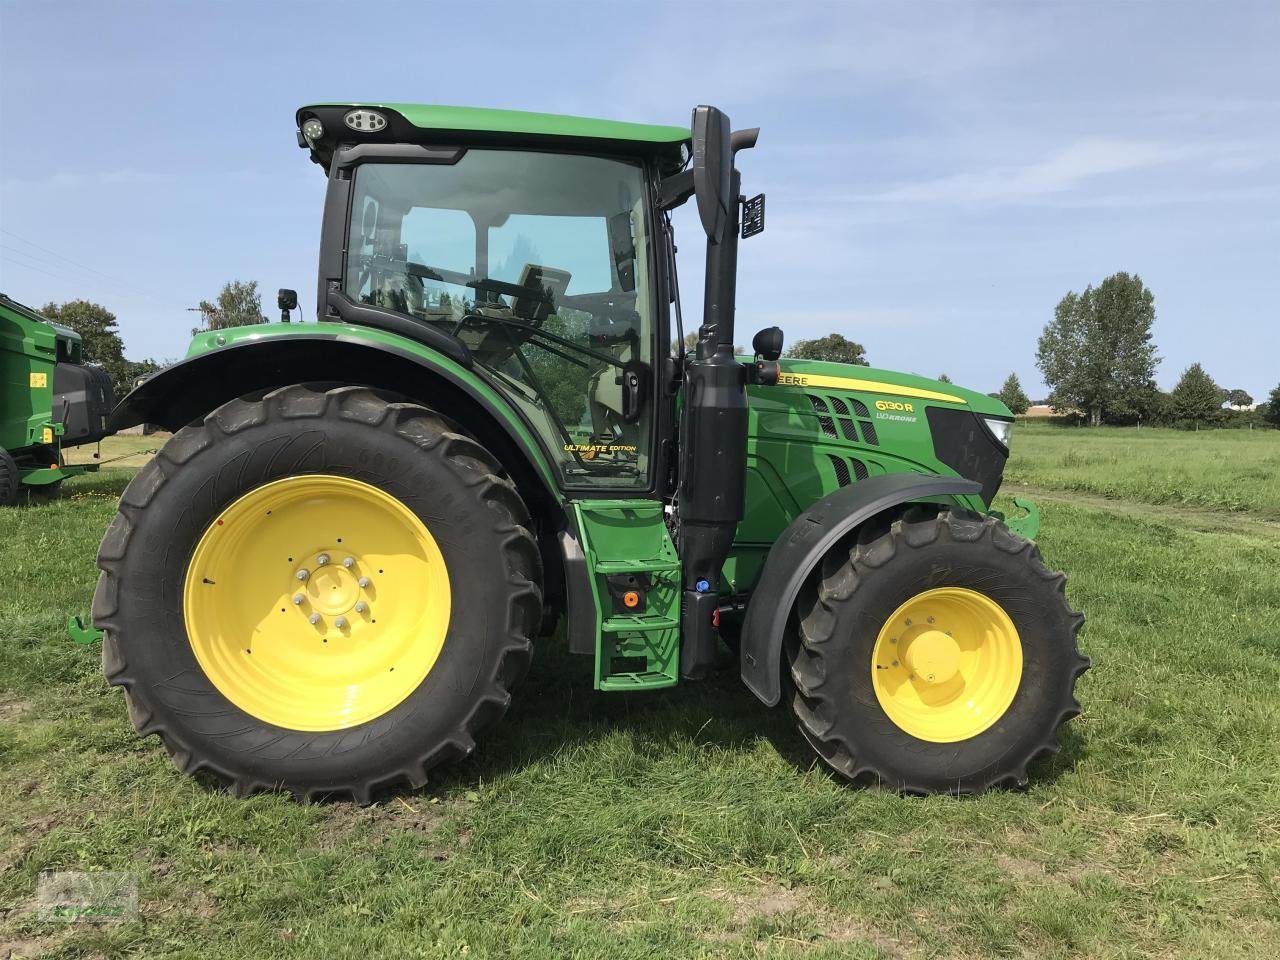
(447, 481)
(854, 601)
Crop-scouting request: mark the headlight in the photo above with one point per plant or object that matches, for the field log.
(1000, 429)
(365, 121)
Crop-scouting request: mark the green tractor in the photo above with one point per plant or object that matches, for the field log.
(49, 399)
(330, 579)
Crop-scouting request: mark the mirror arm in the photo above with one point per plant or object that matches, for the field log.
(675, 190)
(744, 139)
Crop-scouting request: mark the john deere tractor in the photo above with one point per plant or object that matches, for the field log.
(330, 580)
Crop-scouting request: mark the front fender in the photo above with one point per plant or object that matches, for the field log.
(802, 545)
(201, 383)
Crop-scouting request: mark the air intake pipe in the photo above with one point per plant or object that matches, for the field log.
(713, 434)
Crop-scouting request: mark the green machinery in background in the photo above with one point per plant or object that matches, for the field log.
(49, 399)
(330, 579)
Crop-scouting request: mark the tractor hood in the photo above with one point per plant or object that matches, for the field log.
(855, 422)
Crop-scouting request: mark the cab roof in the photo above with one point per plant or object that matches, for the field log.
(416, 122)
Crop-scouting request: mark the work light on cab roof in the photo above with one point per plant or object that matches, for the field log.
(495, 423)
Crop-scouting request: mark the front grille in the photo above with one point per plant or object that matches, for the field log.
(963, 443)
(845, 409)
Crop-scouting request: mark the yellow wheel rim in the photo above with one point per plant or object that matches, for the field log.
(316, 602)
(947, 664)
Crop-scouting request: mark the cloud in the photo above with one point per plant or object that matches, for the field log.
(1058, 173)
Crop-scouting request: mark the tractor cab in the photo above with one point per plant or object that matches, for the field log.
(538, 253)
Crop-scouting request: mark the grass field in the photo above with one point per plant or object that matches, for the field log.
(1236, 470)
(692, 823)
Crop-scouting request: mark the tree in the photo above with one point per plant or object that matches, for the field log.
(239, 305)
(943, 378)
(690, 344)
(1013, 396)
(100, 340)
(833, 347)
(1196, 399)
(1096, 354)
(1239, 399)
(1272, 414)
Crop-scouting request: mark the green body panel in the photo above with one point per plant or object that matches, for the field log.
(793, 460)
(210, 341)
(28, 354)
(522, 123)
(633, 651)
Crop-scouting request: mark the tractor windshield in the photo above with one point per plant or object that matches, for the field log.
(537, 261)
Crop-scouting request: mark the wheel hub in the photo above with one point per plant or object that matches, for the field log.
(932, 657)
(332, 590)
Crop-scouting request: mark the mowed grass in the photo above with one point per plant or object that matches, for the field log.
(1221, 469)
(689, 823)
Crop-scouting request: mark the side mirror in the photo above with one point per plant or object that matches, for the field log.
(768, 343)
(712, 169)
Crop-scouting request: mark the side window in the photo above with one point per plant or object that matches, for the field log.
(537, 263)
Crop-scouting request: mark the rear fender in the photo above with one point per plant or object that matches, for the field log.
(196, 386)
(802, 545)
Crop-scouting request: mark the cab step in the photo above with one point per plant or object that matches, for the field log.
(627, 541)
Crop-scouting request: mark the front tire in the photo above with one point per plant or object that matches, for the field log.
(934, 654)
(272, 568)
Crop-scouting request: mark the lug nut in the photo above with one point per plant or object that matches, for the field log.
(349, 562)
(361, 607)
(314, 618)
(303, 574)
(297, 599)
(322, 559)
(363, 581)
(340, 623)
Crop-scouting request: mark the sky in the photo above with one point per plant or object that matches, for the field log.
(939, 174)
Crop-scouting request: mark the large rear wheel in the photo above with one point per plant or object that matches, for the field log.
(935, 654)
(318, 591)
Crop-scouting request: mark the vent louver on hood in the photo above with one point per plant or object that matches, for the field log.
(844, 409)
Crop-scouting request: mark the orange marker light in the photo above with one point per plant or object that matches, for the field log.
(631, 599)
